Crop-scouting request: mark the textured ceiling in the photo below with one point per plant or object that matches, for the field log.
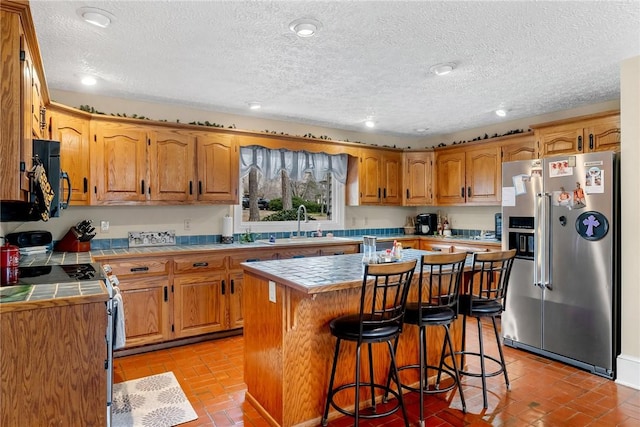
(369, 58)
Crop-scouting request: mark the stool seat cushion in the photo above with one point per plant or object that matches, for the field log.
(348, 328)
(430, 315)
(479, 307)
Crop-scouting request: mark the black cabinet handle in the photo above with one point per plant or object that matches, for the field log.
(85, 184)
(223, 288)
(468, 191)
(339, 253)
(580, 143)
(385, 193)
(590, 141)
(142, 187)
(190, 187)
(199, 187)
(407, 193)
(233, 289)
(200, 264)
(378, 192)
(252, 260)
(462, 192)
(436, 249)
(166, 294)
(138, 269)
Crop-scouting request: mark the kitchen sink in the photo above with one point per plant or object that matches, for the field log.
(305, 240)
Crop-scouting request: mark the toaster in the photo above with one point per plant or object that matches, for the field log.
(26, 239)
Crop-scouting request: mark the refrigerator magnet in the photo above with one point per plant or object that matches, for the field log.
(592, 225)
(518, 184)
(579, 201)
(562, 198)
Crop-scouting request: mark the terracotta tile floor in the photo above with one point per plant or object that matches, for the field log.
(543, 392)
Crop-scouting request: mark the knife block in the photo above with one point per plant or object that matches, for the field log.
(70, 243)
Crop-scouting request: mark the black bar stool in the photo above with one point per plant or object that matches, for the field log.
(383, 299)
(436, 305)
(485, 297)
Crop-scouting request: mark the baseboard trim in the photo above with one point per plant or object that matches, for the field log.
(177, 342)
(628, 371)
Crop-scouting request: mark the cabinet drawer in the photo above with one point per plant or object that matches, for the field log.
(235, 259)
(139, 266)
(298, 253)
(196, 263)
(470, 248)
(340, 249)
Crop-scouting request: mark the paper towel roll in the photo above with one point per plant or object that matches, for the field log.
(227, 226)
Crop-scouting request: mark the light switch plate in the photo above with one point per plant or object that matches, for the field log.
(272, 291)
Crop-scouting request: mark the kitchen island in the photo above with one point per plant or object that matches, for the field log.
(288, 347)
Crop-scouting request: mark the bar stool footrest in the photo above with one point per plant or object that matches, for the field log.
(366, 415)
(449, 372)
(479, 374)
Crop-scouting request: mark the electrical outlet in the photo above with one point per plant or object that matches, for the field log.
(187, 224)
(104, 226)
(272, 291)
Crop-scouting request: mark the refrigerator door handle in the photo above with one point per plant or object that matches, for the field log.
(541, 269)
(545, 241)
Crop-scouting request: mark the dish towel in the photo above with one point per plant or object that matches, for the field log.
(120, 338)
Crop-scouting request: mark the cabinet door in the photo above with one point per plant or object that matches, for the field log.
(450, 177)
(171, 166)
(120, 162)
(392, 179)
(28, 112)
(603, 134)
(519, 150)
(560, 140)
(370, 180)
(236, 310)
(218, 168)
(418, 178)
(483, 175)
(199, 305)
(146, 310)
(298, 252)
(73, 134)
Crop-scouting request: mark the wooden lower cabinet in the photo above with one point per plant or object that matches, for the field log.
(180, 296)
(53, 365)
(146, 310)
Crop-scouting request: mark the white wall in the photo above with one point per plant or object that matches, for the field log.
(629, 359)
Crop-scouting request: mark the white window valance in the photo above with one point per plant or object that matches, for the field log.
(270, 162)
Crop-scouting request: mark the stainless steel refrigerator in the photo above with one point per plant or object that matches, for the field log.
(561, 214)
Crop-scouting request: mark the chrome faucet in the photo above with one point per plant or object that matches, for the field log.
(304, 209)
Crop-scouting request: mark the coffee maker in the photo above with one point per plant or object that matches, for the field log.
(426, 223)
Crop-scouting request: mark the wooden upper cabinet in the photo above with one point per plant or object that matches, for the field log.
(218, 167)
(450, 177)
(379, 179)
(119, 158)
(597, 132)
(418, 178)
(171, 165)
(469, 175)
(522, 147)
(72, 130)
(30, 112)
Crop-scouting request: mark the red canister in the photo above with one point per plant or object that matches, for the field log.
(9, 256)
(9, 275)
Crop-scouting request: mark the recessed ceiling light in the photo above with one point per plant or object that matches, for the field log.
(421, 130)
(254, 105)
(305, 27)
(370, 123)
(442, 69)
(501, 112)
(89, 81)
(98, 17)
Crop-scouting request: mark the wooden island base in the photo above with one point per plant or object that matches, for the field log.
(289, 350)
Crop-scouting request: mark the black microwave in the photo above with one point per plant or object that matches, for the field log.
(48, 153)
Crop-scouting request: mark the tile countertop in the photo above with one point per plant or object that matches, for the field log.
(321, 274)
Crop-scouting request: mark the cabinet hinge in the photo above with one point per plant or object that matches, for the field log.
(171, 288)
(23, 167)
(23, 56)
(148, 141)
(95, 138)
